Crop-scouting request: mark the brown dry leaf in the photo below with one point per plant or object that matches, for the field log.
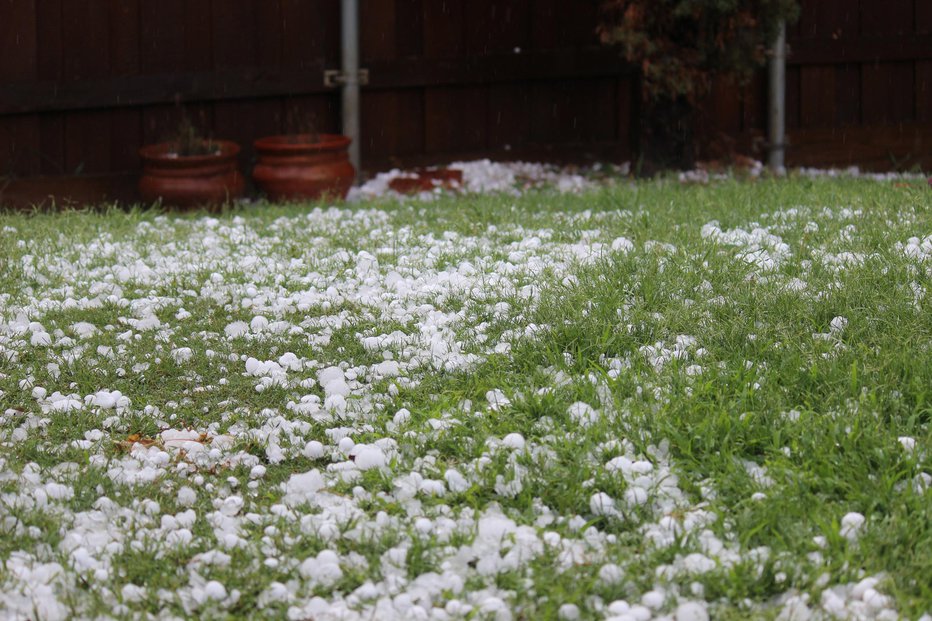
(135, 438)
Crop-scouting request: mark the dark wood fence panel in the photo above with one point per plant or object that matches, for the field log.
(84, 83)
(859, 88)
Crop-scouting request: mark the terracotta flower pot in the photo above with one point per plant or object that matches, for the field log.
(190, 180)
(292, 167)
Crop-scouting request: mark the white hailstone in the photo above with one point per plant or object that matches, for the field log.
(861, 587)
(40, 339)
(304, 486)
(258, 323)
(611, 574)
(325, 376)
(653, 599)
(346, 445)
(908, 443)
(568, 612)
(691, 611)
(369, 457)
(635, 496)
(583, 414)
(313, 450)
(231, 505)
(235, 329)
(495, 608)
(336, 388)
(215, 590)
(387, 368)
(851, 525)
(186, 496)
(837, 325)
(401, 417)
(182, 354)
(38, 392)
(257, 472)
(514, 441)
(133, 593)
(455, 481)
(602, 504)
(640, 613)
(423, 525)
(324, 569)
(497, 399)
(622, 244)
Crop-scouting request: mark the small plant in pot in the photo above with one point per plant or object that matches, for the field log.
(190, 170)
(303, 164)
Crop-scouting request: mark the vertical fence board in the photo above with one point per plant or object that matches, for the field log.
(923, 17)
(161, 36)
(234, 34)
(19, 135)
(847, 94)
(377, 31)
(392, 124)
(409, 28)
(924, 91)
(444, 29)
(817, 96)
(889, 17)
(828, 19)
(573, 111)
(268, 33)
(509, 124)
(887, 93)
(497, 26)
(465, 105)
(125, 123)
(86, 39)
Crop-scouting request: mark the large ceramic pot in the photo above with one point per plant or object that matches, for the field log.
(297, 167)
(190, 180)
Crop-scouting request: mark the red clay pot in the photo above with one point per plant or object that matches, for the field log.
(292, 167)
(190, 180)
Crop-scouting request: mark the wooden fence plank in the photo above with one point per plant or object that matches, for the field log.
(847, 95)
(497, 26)
(508, 117)
(161, 36)
(19, 135)
(887, 17)
(923, 17)
(269, 46)
(887, 93)
(828, 19)
(573, 111)
(234, 34)
(377, 31)
(125, 123)
(468, 106)
(817, 96)
(409, 28)
(444, 29)
(924, 91)
(392, 124)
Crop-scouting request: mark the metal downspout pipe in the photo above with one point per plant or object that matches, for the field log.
(350, 71)
(776, 149)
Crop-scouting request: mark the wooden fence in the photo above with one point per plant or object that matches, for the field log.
(84, 83)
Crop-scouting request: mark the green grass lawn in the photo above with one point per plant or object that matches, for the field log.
(648, 401)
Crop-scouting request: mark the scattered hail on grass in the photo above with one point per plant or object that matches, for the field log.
(393, 413)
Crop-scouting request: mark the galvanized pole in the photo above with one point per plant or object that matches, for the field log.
(350, 58)
(777, 108)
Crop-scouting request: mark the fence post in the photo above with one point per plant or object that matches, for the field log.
(776, 149)
(350, 67)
